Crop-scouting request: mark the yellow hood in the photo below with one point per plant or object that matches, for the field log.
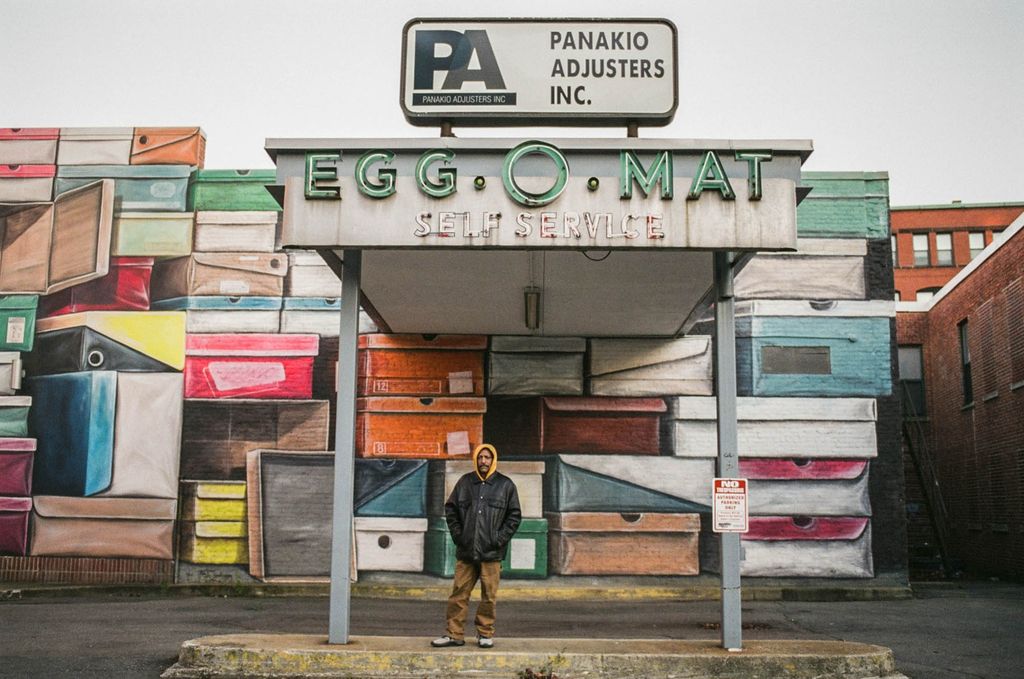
(494, 463)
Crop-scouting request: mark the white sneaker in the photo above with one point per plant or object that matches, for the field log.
(485, 642)
(446, 640)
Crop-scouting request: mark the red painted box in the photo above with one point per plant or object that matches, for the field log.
(800, 468)
(574, 424)
(14, 513)
(125, 288)
(421, 365)
(404, 426)
(16, 456)
(253, 365)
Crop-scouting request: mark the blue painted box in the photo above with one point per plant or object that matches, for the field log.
(139, 188)
(813, 356)
(391, 488)
(72, 417)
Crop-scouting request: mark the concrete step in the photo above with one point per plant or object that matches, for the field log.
(372, 657)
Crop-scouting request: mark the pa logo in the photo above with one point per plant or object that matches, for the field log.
(446, 61)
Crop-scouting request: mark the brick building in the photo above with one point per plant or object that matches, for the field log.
(931, 243)
(962, 367)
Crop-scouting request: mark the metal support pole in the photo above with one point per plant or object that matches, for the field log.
(344, 449)
(727, 464)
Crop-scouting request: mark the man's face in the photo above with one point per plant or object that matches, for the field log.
(483, 461)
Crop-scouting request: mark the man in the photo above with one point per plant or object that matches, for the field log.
(483, 514)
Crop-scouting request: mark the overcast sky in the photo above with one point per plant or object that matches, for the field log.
(932, 92)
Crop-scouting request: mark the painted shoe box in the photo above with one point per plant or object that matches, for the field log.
(140, 528)
(28, 145)
(238, 190)
(140, 188)
(124, 288)
(94, 146)
(224, 314)
(18, 322)
(426, 427)
(611, 543)
(26, 183)
(536, 366)
(526, 557)
(16, 458)
(254, 274)
(575, 424)
(152, 234)
(168, 145)
(256, 365)
(309, 276)
(650, 367)
(421, 365)
(230, 231)
(396, 488)
(385, 543)
(217, 433)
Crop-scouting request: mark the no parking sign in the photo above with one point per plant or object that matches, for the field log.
(729, 506)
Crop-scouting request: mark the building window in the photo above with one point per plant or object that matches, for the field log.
(965, 363)
(921, 249)
(912, 381)
(997, 235)
(897, 295)
(895, 259)
(944, 249)
(976, 241)
(925, 294)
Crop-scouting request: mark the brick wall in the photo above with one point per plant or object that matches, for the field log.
(978, 448)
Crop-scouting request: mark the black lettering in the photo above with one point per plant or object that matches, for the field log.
(459, 72)
(556, 38)
(659, 68)
(557, 70)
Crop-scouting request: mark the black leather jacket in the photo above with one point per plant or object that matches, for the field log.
(483, 516)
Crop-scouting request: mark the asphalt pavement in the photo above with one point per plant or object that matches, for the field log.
(947, 631)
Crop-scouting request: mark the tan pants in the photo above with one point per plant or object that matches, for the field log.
(466, 575)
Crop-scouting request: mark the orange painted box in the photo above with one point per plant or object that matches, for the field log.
(421, 365)
(609, 543)
(168, 146)
(425, 427)
(575, 424)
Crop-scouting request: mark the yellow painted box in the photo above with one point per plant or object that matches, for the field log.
(213, 501)
(214, 542)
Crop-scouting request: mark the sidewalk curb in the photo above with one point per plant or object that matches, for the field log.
(286, 655)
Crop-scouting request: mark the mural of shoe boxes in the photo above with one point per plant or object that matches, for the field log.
(132, 527)
(168, 146)
(95, 146)
(218, 433)
(809, 546)
(612, 543)
(141, 188)
(225, 231)
(253, 274)
(152, 234)
(820, 269)
(575, 424)
(226, 314)
(536, 366)
(634, 367)
(26, 183)
(124, 288)
(213, 527)
(419, 427)
(312, 300)
(18, 322)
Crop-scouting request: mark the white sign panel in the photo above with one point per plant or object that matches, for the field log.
(525, 72)
(729, 506)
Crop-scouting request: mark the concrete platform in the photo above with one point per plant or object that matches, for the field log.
(288, 655)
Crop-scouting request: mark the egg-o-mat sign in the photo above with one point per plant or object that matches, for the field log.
(537, 194)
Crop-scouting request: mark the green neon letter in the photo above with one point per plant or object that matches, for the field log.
(446, 175)
(385, 184)
(322, 167)
(710, 175)
(754, 159)
(525, 197)
(631, 169)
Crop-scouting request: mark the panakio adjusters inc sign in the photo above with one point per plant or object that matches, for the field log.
(533, 71)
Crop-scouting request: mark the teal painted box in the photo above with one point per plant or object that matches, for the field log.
(527, 555)
(844, 205)
(137, 188)
(14, 416)
(232, 190)
(812, 356)
(18, 322)
(394, 488)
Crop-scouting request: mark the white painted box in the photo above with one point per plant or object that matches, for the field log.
(28, 145)
(309, 276)
(389, 543)
(95, 145)
(650, 367)
(228, 231)
(821, 268)
(777, 427)
(536, 366)
(26, 183)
